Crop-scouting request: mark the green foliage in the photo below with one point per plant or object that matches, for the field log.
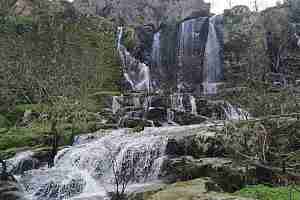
(3, 122)
(261, 99)
(18, 25)
(63, 54)
(129, 38)
(262, 192)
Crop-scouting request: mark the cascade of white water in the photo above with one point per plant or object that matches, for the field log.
(171, 118)
(235, 113)
(120, 35)
(116, 106)
(177, 102)
(81, 169)
(213, 63)
(193, 105)
(210, 88)
(156, 54)
(136, 102)
(147, 102)
(136, 73)
(21, 162)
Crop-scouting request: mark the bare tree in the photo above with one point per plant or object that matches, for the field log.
(122, 176)
(123, 172)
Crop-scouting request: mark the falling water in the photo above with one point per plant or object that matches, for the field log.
(120, 35)
(88, 168)
(171, 118)
(177, 102)
(213, 67)
(136, 102)
(136, 73)
(156, 52)
(235, 113)
(193, 105)
(21, 162)
(116, 106)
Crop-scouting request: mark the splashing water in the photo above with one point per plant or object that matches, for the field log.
(177, 102)
(87, 169)
(193, 105)
(136, 73)
(235, 113)
(116, 106)
(22, 162)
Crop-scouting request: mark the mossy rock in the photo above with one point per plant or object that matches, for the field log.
(129, 39)
(263, 192)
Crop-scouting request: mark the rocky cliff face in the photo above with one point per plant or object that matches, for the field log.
(246, 49)
(136, 12)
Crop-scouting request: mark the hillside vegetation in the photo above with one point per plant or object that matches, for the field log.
(52, 57)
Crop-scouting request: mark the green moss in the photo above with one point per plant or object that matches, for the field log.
(129, 38)
(262, 192)
(3, 122)
(261, 99)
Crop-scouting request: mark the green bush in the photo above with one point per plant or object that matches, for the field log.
(262, 192)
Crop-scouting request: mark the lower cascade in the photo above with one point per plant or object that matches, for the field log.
(91, 168)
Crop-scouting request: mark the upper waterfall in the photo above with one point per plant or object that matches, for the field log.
(184, 57)
(136, 73)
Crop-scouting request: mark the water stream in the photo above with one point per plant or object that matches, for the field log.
(90, 168)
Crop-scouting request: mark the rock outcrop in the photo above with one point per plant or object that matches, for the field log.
(198, 189)
(11, 190)
(248, 52)
(137, 12)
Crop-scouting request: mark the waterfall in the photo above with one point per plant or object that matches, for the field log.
(235, 113)
(88, 168)
(156, 54)
(136, 73)
(193, 105)
(116, 106)
(213, 67)
(120, 35)
(210, 88)
(177, 102)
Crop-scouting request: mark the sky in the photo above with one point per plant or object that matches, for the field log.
(218, 6)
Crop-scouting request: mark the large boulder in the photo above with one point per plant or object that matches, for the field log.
(138, 12)
(197, 189)
(11, 190)
(229, 175)
(246, 47)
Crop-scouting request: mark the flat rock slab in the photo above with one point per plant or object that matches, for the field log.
(197, 189)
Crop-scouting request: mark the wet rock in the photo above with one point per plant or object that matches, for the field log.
(135, 122)
(23, 7)
(198, 145)
(55, 184)
(11, 190)
(23, 161)
(157, 114)
(186, 118)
